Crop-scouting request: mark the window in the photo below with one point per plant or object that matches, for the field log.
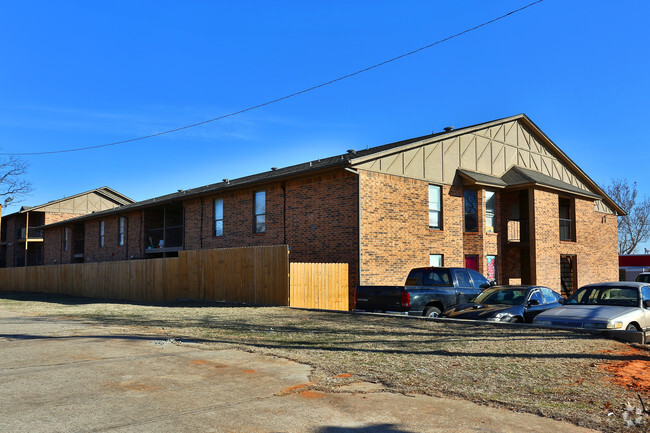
(66, 238)
(480, 282)
(218, 217)
(471, 211)
(462, 278)
(101, 234)
(260, 212)
(536, 296)
(490, 211)
(567, 226)
(435, 200)
(435, 260)
(121, 236)
(491, 271)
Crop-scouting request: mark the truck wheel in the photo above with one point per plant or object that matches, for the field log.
(432, 312)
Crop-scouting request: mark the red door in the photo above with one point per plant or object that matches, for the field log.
(471, 262)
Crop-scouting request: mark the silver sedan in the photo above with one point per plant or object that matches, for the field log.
(623, 305)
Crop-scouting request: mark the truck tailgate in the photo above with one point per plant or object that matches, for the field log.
(380, 298)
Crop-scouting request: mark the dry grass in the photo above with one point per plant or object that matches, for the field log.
(551, 373)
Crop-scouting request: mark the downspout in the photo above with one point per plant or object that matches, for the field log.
(284, 213)
(200, 226)
(26, 235)
(358, 223)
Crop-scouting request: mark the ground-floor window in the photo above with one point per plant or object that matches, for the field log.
(568, 279)
(435, 260)
(491, 269)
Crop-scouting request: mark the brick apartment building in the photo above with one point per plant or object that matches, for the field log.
(21, 239)
(499, 197)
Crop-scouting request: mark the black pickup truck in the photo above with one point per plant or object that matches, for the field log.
(427, 292)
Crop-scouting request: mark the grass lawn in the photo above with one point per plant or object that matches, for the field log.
(568, 376)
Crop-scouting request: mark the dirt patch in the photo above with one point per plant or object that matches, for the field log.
(632, 373)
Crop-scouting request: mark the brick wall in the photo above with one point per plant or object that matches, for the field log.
(395, 234)
(595, 246)
(320, 224)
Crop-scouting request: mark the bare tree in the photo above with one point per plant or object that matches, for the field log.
(12, 181)
(633, 228)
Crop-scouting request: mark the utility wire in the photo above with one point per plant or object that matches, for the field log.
(273, 101)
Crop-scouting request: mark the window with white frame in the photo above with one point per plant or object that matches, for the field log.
(435, 207)
(218, 217)
(435, 260)
(121, 234)
(101, 234)
(260, 212)
(490, 211)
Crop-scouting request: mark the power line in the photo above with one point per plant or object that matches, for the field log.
(273, 101)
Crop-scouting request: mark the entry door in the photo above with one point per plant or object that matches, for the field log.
(471, 262)
(568, 275)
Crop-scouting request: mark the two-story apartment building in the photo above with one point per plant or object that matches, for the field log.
(499, 197)
(21, 239)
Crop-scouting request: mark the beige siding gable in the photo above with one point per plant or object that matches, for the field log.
(83, 204)
(491, 150)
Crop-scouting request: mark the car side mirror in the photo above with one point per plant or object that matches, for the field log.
(646, 303)
(533, 302)
(493, 283)
(562, 301)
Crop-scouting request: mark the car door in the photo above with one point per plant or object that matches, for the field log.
(464, 287)
(534, 305)
(645, 296)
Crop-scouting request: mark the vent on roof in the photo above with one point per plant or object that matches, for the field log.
(449, 128)
(274, 168)
(352, 151)
(226, 180)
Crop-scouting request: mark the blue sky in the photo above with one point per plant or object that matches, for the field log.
(79, 73)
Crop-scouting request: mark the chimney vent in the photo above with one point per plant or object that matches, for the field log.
(449, 128)
(274, 168)
(352, 151)
(226, 180)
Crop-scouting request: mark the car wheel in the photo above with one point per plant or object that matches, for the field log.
(632, 327)
(432, 312)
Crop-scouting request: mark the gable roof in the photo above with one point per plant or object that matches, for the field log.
(104, 191)
(353, 158)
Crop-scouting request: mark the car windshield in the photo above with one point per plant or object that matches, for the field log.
(501, 296)
(621, 296)
(643, 278)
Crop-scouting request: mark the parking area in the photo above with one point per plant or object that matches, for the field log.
(67, 376)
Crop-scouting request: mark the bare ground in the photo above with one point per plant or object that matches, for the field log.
(567, 376)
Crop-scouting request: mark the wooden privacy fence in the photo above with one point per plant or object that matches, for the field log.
(252, 275)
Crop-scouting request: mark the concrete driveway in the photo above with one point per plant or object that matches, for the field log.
(60, 375)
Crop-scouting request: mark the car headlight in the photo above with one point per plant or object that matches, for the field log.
(501, 317)
(614, 324)
(543, 322)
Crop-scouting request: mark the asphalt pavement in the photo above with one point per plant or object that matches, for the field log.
(62, 375)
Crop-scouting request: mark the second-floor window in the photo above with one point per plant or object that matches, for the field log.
(101, 234)
(435, 208)
(260, 212)
(218, 217)
(471, 210)
(490, 211)
(567, 219)
(121, 235)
